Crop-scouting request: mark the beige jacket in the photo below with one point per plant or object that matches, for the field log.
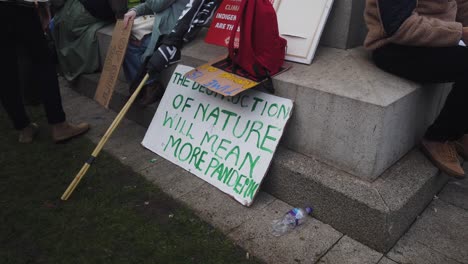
(428, 23)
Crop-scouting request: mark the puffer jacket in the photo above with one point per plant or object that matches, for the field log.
(425, 23)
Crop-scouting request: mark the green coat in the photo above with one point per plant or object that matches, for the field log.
(166, 14)
(75, 39)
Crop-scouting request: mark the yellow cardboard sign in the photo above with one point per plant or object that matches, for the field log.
(212, 76)
(219, 81)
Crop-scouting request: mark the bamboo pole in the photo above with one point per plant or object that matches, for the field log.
(103, 141)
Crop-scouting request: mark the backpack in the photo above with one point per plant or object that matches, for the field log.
(261, 50)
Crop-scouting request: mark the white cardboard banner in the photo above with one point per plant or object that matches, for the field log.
(226, 141)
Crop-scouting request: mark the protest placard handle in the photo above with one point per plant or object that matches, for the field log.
(103, 141)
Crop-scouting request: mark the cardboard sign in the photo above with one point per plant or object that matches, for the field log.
(223, 22)
(113, 63)
(301, 23)
(227, 141)
(219, 81)
(218, 77)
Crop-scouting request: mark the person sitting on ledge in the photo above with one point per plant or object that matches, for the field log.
(424, 41)
(164, 15)
(74, 33)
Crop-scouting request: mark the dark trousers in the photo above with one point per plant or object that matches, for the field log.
(434, 65)
(21, 27)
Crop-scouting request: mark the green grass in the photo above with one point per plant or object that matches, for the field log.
(114, 216)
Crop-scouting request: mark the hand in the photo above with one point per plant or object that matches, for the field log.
(130, 15)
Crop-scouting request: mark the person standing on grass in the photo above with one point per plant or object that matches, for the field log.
(22, 26)
(424, 41)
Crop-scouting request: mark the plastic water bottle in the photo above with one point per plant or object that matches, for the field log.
(290, 220)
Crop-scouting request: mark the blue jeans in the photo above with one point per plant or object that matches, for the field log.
(133, 58)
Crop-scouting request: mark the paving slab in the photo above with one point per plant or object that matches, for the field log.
(174, 180)
(456, 193)
(305, 244)
(385, 260)
(409, 251)
(220, 210)
(125, 145)
(349, 251)
(440, 235)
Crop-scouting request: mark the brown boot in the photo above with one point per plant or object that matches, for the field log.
(28, 133)
(444, 156)
(65, 130)
(462, 146)
(152, 93)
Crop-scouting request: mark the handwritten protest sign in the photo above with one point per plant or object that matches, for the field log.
(226, 141)
(113, 63)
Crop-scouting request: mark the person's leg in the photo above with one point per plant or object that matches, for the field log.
(153, 89)
(132, 60)
(135, 68)
(44, 75)
(10, 94)
(43, 72)
(435, 65)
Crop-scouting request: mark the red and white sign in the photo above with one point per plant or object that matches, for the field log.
(223, 23)
(300, 22)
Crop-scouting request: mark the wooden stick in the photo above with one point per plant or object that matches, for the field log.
(103, 141)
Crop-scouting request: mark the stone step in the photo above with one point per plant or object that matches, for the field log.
(349, 146)
(376, 214)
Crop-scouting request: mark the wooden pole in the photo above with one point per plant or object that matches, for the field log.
(103, 141)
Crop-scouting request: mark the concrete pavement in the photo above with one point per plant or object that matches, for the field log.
(439, 235)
